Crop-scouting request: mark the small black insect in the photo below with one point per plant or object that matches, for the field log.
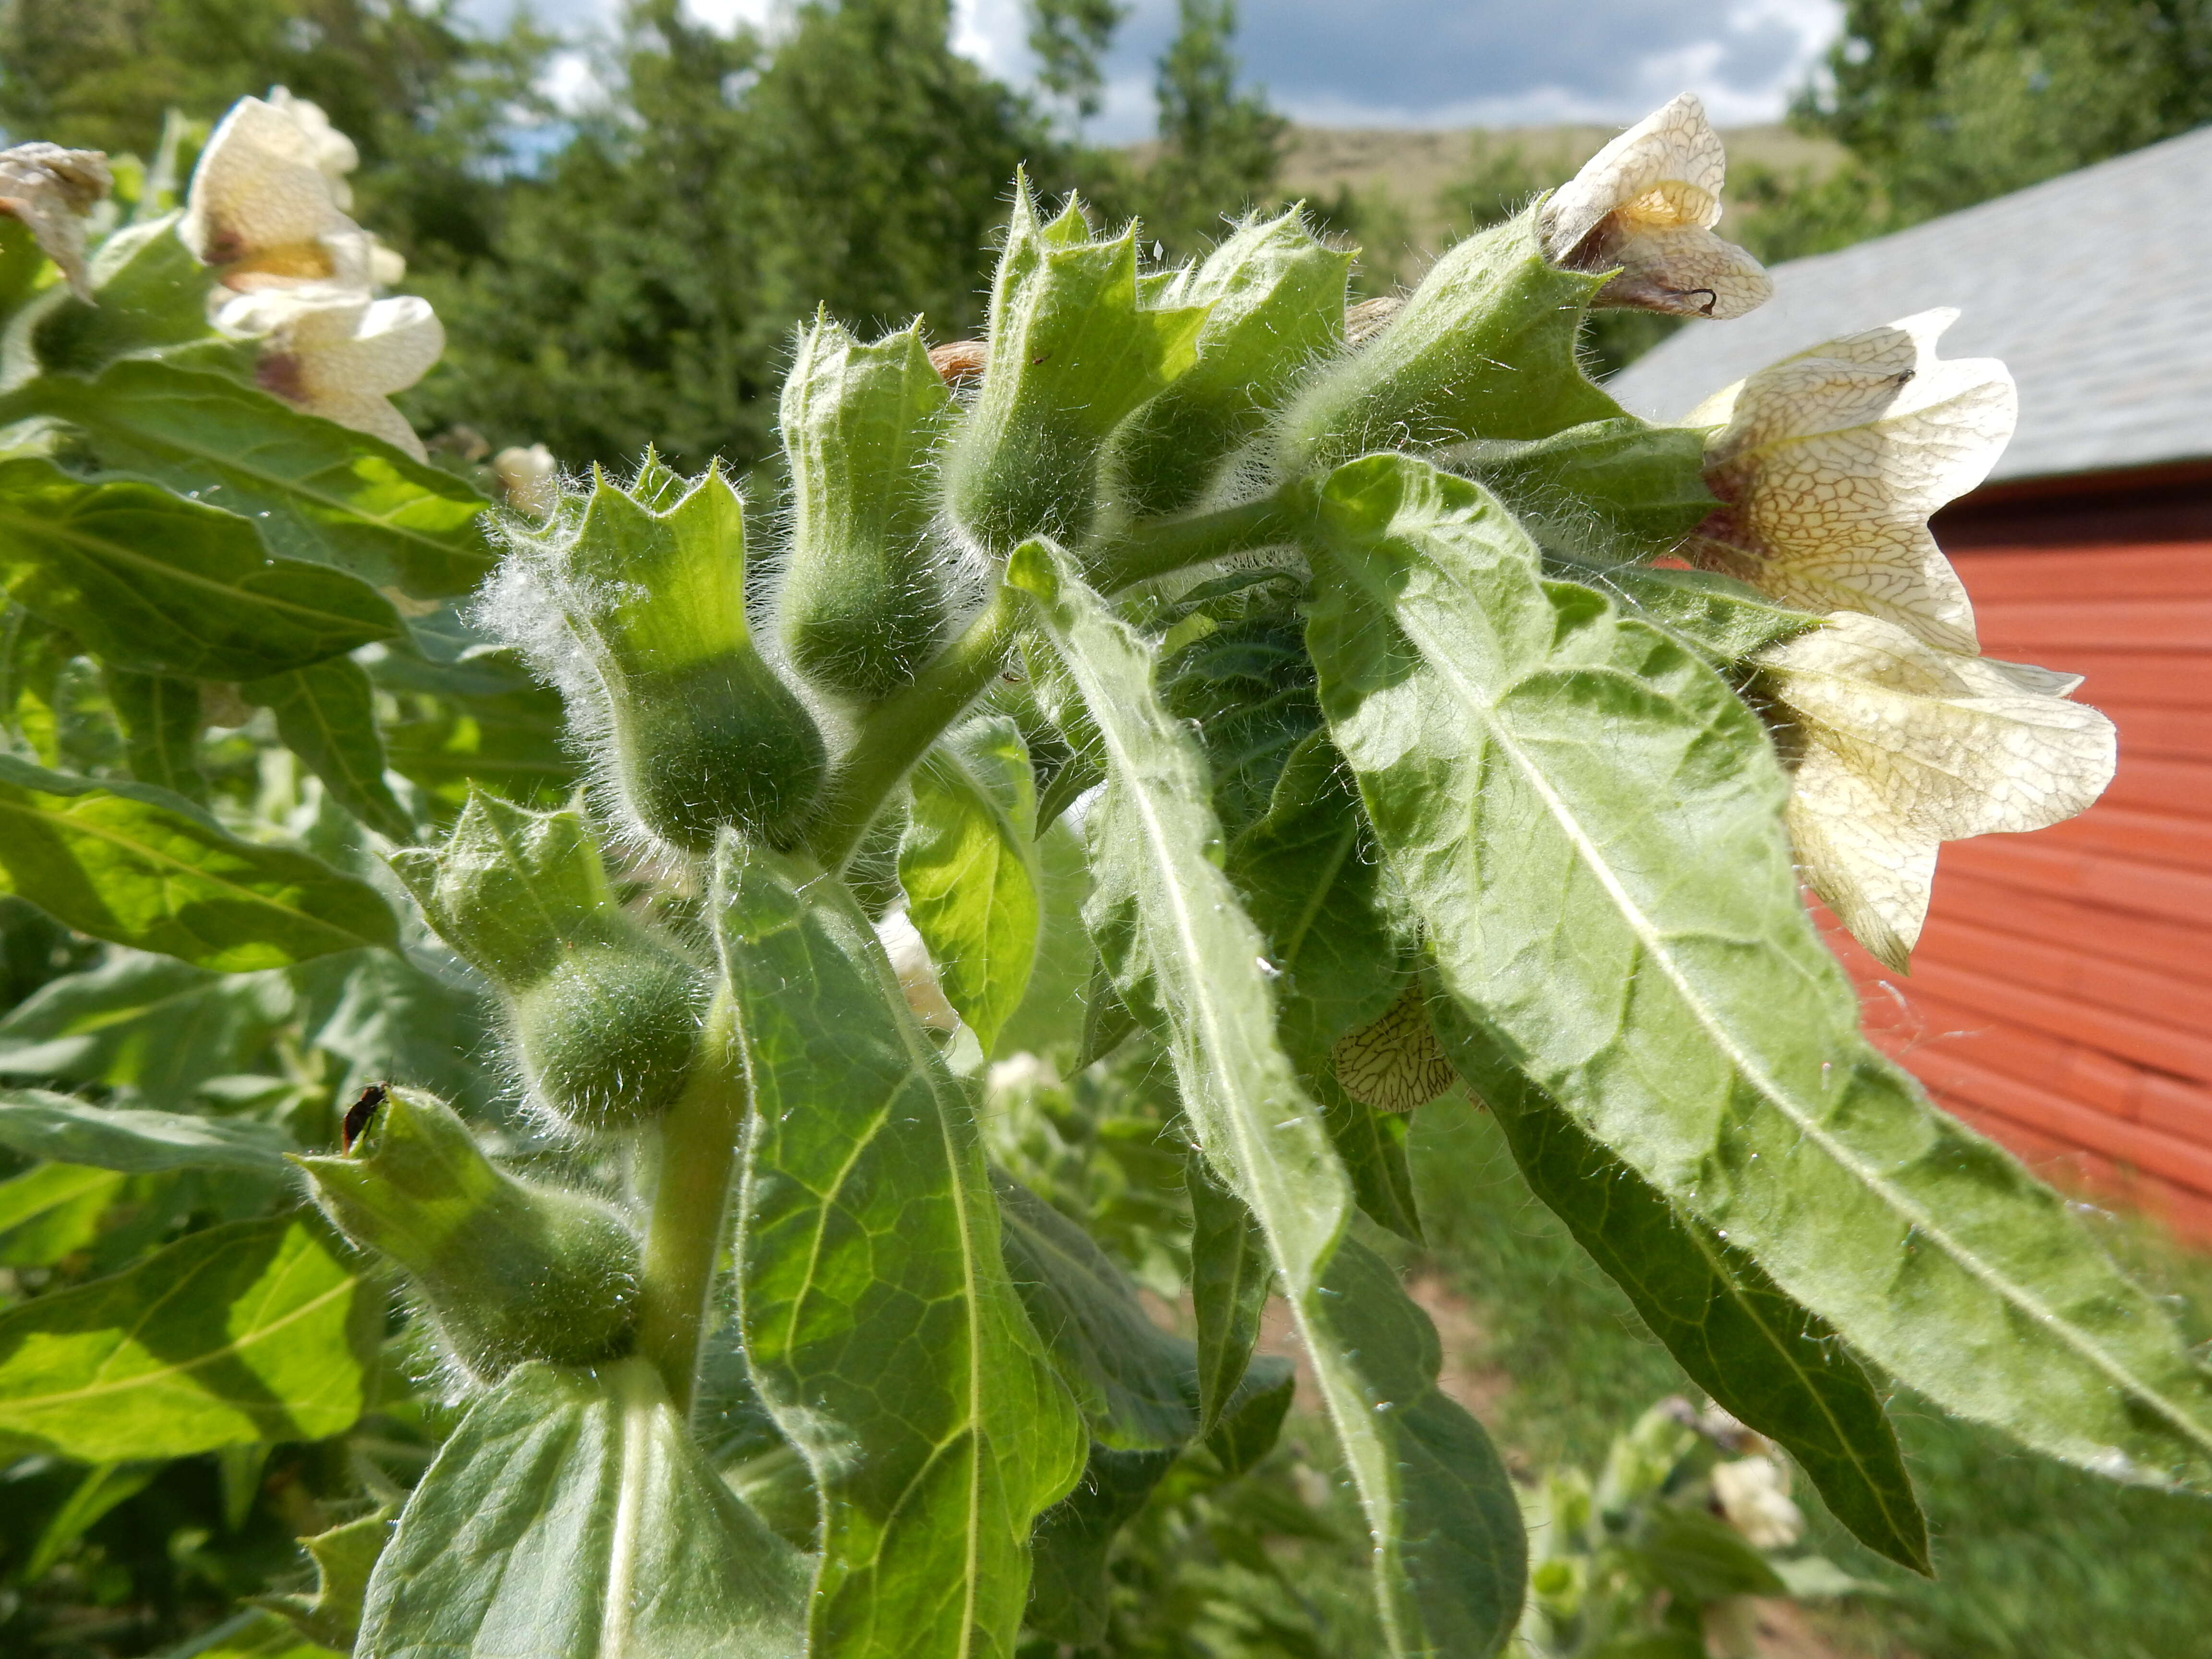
(358, 1115)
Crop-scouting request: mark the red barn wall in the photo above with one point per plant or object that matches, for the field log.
(2061, 997)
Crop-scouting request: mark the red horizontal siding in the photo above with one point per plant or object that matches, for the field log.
(2091, 621)
(2144, 837)
(2158, 572)
(1977, 967)
(2165, 940)
(2163, 679)
(2061, 996)
(2173, 734)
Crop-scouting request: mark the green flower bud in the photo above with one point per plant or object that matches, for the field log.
(862, 606)
(1275, 300)
(511, 890)
(1483, 347)
(608, 1036)
(713, 743)
(1074, 348)
(699, 733)
(605, 1010)
(509, 1270)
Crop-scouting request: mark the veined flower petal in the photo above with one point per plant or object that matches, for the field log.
(332, 151)
(51, 190)
(260, 199)
(337, 353)
(1904, 746)
(1831, 463)
(1646, 204)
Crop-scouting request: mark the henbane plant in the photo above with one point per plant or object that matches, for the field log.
(1349, 723)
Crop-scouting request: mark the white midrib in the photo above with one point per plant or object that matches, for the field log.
(1648, 936)
(635, 1408)
(1344, 1409)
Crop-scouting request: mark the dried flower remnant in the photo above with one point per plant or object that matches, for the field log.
(960, 362)
(1395, 1062)
(529, 479)
(338, 354)
(1905, 747)
(1645, 205)
(1831, 462)
(267, 202)
(51, 190)
(1363, 321)
(1754, 1493)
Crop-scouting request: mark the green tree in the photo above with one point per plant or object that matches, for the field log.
(1949, 102)
(642, 288)
(1068, 37)
(1220, 147)
(428, 101)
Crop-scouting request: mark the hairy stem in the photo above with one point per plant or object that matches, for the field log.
(698, 1147)
(898, 732)
(1149, 549)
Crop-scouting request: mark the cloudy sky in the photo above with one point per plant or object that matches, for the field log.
(1421, 63)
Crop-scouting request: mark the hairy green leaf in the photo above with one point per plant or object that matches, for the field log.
(161, 720)
(968, 866)
(255, 1330)
(139, 866)
(568, 1515)
(1133, 1381)
(1449, 1554)
(480, 723)
(326, 715)
(45, 1125)
(1606, 492)
(345, 1558)
(1723, 620)
(1068, 1594)
(1767, 1360)
(316, 491)
(149, 1024)
(1229, 1286)
(53, 1211)
(149, 293)
(881, 1327)
(1587, 821)
(160, 585)
(1309, 877)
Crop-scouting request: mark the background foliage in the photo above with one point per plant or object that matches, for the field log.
(595, 304)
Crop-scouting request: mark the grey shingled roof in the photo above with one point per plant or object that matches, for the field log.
(2096, 290)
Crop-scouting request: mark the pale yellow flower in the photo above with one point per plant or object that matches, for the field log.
(337, 353)
(1646, 205)
(1904, 746)
(51, 190)
(917, 976)
(529, 479)
(332, 151)
(1830, 463)
(1754, 1495)
(267, 202)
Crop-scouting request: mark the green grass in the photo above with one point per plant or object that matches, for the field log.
(2034, 1560)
